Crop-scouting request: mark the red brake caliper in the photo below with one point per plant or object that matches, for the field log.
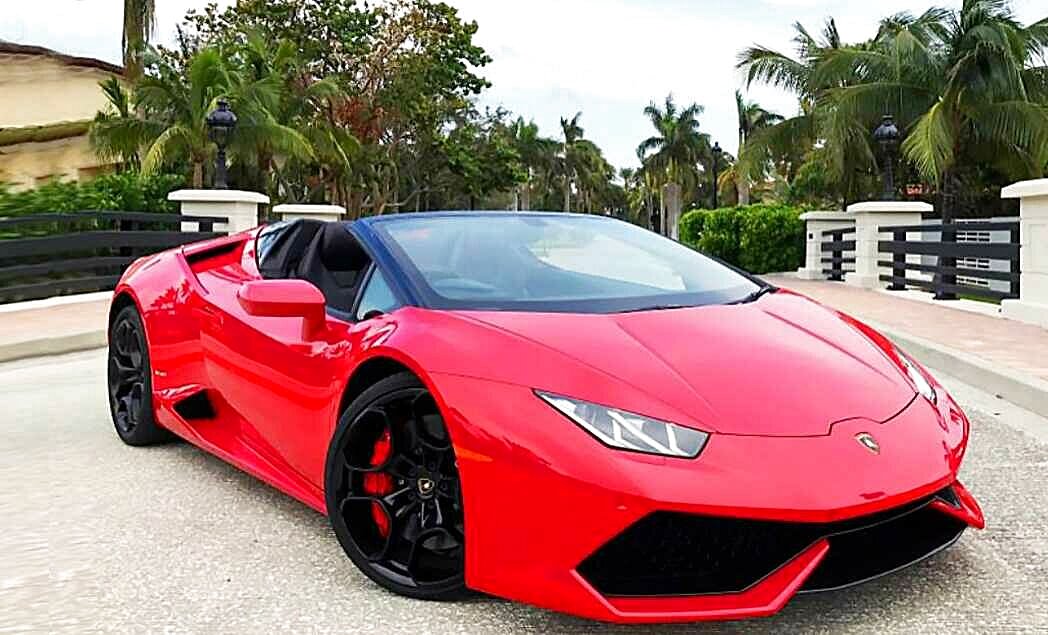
(379, 483)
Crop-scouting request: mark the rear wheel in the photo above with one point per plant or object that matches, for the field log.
(130, 382)
(393, 493)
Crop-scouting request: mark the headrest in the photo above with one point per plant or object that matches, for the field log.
(339, 250)
(281, 245)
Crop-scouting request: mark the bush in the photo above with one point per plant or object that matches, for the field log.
(126, 192)
(759, 238)
(691, 226)
(720, 236)
(771, 240)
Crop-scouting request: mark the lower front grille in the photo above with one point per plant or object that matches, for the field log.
(873, 551)
(669, 553)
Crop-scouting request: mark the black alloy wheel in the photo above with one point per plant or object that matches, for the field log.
(393, 493)
(130, 382)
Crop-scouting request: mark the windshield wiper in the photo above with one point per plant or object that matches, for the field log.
(656, 307)
(756, 295)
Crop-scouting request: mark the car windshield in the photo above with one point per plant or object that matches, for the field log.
(554, 262)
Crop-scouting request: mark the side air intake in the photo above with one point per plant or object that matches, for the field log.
(195, 407)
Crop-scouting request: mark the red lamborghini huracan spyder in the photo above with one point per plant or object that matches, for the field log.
(564, 410)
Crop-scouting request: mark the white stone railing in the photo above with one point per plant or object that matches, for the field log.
(1032, 305)
(240, 207)
(815, 223)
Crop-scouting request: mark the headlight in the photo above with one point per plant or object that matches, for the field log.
(628, 431)
(920, 381)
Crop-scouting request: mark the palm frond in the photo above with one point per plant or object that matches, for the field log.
(164, 147)
(930, 143)
(771, 67)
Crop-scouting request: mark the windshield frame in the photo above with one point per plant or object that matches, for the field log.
(427, 297)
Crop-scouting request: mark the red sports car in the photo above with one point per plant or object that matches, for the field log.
(559, 409)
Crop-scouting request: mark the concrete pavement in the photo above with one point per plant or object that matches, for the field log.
(57, 325)
(97, 536)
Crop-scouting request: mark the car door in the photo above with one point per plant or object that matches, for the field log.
(284, 387)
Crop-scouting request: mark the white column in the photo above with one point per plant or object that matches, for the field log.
(240, 207)
(1032, 305)
(814, 224)
(316, 212)
(870, 216)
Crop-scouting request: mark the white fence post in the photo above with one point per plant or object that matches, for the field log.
(814, 224)
(288, 211)
(240, 207)
(870, 216)
(1032, 305)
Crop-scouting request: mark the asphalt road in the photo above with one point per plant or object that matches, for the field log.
(97, 536)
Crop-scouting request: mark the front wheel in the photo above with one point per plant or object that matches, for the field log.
(393, 494)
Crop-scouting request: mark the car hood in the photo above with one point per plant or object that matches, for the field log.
(783, 365)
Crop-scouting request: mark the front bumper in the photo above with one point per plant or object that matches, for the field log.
(556, 520)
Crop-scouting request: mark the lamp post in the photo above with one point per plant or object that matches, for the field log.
(887, 135)
(717, 152)
(220, 125)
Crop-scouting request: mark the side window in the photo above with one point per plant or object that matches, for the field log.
(377, 296)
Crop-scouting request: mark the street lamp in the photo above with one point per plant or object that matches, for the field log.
(887, 135)
(220, 125)
(717, 152)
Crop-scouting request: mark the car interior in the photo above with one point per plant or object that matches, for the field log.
(322, 253)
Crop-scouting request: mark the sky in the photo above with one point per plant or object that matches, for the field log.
(552, 58)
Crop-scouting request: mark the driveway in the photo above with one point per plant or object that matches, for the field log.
(97, 536)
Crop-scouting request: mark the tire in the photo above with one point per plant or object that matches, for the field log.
(131, 382)
(393, 493)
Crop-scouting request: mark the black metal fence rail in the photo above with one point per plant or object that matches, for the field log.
(947, 250)
(43, 255)
(834, 245)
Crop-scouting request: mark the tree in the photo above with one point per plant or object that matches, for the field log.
(177, 105)
(967, 87)
(570, 158)
(117, 134)
(750, 165)
(791, 143)
(284, 104)
(139, 23)
(963, 85)
(678, 146)
(537, 155)
(367, 105)
(407, 70)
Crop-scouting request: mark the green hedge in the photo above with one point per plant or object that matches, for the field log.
(759, 238)
(114, 192)
(691, 226)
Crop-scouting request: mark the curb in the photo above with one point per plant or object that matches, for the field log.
(57, 345)
(1021, 389)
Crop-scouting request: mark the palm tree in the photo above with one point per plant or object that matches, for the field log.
(284, 103)
(789, 142)
(117, 134)
(677, 146)
(537, 154)
(593, 175)
(139, 23)
(570, 159)
(965, 87)
(177, 105)
(752, 118)
(968, 87)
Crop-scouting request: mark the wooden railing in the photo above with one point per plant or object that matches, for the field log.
(949, 279)
(834, 246)
(43, 255)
